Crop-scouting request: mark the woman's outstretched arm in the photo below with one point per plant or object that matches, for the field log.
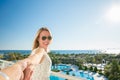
(15, 72)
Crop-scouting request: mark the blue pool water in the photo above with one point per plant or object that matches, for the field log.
(80, 74)
(56, 78)
(61, 67)
(76, 73)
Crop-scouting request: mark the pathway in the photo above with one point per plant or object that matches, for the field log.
(69, 77)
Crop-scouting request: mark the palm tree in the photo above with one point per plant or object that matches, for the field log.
(113, 71)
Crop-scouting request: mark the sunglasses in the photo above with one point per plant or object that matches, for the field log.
(45, 37)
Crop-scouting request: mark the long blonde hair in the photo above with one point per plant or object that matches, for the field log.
(36, 42)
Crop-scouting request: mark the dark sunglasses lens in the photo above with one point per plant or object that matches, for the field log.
(49, 37)
(44, 38)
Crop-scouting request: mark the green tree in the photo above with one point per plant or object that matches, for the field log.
(85, 68)
(95, 69)
(80, 66)
(113, 71)
(91, 68)
(1, 56)
(67, 73)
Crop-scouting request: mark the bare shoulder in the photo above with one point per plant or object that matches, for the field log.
(39, 50)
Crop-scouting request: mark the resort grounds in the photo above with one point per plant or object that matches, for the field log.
(73, 66)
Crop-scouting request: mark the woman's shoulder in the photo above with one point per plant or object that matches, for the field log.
(38, 50)
(34, 50)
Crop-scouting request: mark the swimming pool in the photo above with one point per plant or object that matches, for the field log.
(56, 78)
(64, 67)
(86, 75)
(80, 75)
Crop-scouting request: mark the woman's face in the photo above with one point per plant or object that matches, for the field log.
(44, 39)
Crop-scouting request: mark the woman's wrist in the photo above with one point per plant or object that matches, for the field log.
(22, 64)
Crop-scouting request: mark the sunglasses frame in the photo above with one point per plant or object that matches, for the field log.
(45, 37)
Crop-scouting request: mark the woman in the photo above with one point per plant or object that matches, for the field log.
(42, 40)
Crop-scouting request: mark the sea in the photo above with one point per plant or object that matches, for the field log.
(25, 52)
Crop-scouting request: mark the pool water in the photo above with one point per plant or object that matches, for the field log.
(56, 78)
(76, 73)
(61, 67)
(80, 75)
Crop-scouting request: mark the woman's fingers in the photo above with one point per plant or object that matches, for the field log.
(28, 72)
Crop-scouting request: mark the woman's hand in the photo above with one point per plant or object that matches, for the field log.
(28, 72)
(32, 61)
(23, 64)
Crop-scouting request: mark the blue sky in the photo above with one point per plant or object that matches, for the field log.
(75, 24)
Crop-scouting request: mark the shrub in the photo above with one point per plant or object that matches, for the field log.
(73, 74)
(55, 70)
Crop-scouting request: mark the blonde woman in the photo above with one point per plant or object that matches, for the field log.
(42, 40)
